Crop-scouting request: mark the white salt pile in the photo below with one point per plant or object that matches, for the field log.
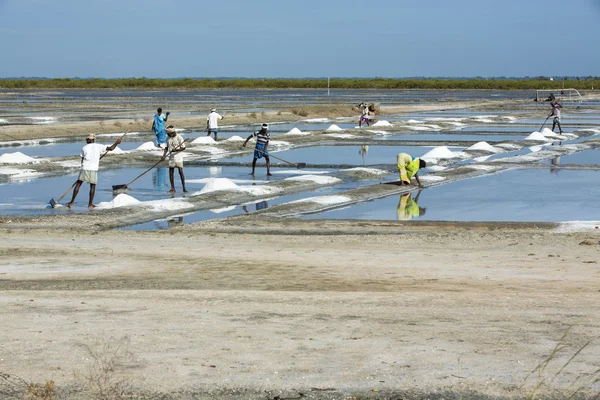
(296, 131)
(334, 128)
(3, 121)
(259, 190)
(147, 146)
(418, 128)
(118, 150)
(537, 136)
(316, 120)
(342, 135)
(215, 184)
(18, 174)
(382, 123)
(298, 172)
(319, 179)
(438, 152)
(325, 200)
(211, 150)
(204, 140)
(373, 171)
(167, 205)
(16, 158)
(481, 159)
(121, 200)
(206, 180)
(579, 226)
(414, 121)
(435, 168)
(484, 146)
(431, 178)
(379, 132)
(536, 148)
(235, 139)
(484, 118)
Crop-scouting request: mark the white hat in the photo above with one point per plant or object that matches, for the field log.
(265, 126)
(213, 110)
(91, 136)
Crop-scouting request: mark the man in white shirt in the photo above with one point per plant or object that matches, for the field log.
(174, 149)
(211, 122)
(90, 162)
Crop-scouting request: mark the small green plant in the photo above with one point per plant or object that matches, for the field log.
(300, 112)
(582, 382)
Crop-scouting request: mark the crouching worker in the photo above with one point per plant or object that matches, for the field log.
(90, 161)
(174, 149)
(408, 168)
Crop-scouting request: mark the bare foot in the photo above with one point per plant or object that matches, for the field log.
(252, 173)
(172, 191)
(91, 207)
(185, 191)
(69, 204)
(269, 174)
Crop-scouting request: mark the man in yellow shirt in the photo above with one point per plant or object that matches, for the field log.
(407, 168)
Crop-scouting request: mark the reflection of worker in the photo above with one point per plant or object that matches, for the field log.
(364, 150)
(555, 161)
(261, 205)
(407, 168)
(555, 113)
(175, 221)
(409, 208)
(159, 178)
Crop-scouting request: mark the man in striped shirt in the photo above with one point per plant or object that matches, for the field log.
(260, 150)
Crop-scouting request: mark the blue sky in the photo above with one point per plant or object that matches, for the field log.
(290, 38)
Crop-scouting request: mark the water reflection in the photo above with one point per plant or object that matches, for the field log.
(173, 222)
(159, 178)
(364, 150)
(408, 208)
(555, 161)
(261, 205)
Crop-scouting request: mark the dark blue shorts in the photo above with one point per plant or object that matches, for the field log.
(264, 152)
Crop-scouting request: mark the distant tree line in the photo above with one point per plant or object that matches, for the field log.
(581, 83)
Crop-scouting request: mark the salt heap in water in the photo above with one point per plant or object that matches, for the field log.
(121, 200)
(484, 146)
(322, 180)
(16, 158)
(204, 140)
(537, 136)
(147, 146)
(439, 152)
(215, 184)
(235, 139)
(118, 150)
(334, 127)
(382, 123)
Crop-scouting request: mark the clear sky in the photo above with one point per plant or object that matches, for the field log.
(293, 39)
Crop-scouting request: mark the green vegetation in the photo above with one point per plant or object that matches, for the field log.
(586, 83)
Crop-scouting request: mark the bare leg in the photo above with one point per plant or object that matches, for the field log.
(182, 179)
(75, 192)
(172, 179)
(268, 165)
(215, 136)
(92, 194)
(253, 167)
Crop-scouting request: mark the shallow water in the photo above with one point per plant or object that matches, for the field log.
(516, 195)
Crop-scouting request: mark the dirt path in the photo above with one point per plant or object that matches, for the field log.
(327, 316)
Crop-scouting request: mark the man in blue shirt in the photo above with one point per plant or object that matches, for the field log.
(159, 128)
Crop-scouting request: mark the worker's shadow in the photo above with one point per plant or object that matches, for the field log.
(408, 207)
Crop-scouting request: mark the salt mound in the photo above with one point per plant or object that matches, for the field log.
(204, 140)
(537, 136)
(118, 150)
(439, 152)
(216, 184)
(121, 200)
(382, 123)
(414, 121)
(334, 127)
(147, 146)
(296, 131)
(379, 132)
(322, 180)
(535, 149)
(484, 146)
(547, 132)
(342, 135)
(235, 139)
(431, 178)
(167, 205)
(435, 168)
(16, 158)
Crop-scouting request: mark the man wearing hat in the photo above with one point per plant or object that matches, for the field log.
(175, 146)
(260, 150)
(90, 161)
(211, 122)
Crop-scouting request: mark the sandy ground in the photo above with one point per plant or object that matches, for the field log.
(437, 311)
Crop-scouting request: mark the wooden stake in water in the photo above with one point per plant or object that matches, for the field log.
(327, 86)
